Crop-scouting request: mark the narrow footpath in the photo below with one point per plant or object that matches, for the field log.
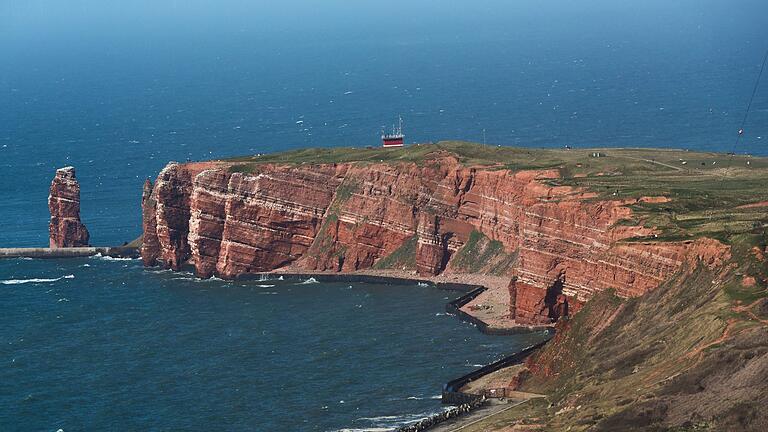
(466, 423)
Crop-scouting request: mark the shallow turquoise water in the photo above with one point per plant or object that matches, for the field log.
(95, 344)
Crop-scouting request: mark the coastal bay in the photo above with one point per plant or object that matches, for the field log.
(265, 355)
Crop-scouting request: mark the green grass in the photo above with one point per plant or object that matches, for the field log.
(572, 162)
(483, 255)
(323, 241)
(742, 248)
(242, 168)
(402, 257)
(345, 191)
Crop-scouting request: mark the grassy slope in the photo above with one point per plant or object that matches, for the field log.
(324, 240)
(688, 356)
(629, 160)
(403, 258)
(483, 255)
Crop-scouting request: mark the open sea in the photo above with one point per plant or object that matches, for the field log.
(118, 91)
(100, 344)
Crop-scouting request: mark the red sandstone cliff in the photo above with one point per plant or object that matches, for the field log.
(346, 217)
(66, 229)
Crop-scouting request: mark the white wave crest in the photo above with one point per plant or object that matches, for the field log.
(265, 286)
(214, 279)
(379, 418)
(423, 397)
(308, 281)
(158, 271)
(109, 258)
(364, 430)
(36, 280)
(392, 421)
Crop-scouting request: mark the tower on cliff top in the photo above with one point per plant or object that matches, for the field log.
(396, 138)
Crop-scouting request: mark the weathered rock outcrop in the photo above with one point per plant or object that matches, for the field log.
(347, 217)
(150, 245)
(66, 229)
(432, 251)
(272, 217)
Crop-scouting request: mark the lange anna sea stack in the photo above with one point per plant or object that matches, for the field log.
(66, 229)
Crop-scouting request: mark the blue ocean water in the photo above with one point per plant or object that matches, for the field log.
(118, 89)
(118, 94)
(98, 344)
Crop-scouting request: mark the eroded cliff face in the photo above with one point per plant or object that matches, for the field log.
(685, 354)
(66, 229)
(346, 217)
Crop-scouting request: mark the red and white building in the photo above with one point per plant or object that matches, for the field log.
(396, 138)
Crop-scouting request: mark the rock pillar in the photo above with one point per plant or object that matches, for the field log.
(66, 229)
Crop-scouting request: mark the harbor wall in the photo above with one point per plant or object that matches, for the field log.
(74, 252)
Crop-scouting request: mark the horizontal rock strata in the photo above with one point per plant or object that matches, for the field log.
(66, 229)
(345, 217)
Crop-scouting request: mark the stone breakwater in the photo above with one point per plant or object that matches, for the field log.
(345, 217)
(66, 229)
(73, 252)
(449, 414)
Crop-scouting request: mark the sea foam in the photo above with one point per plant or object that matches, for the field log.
(35, 280)
(308, 281)
(109, 258)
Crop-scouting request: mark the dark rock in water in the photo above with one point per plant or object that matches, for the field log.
(66, 229)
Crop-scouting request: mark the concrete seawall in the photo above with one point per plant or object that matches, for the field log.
(75, 252)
